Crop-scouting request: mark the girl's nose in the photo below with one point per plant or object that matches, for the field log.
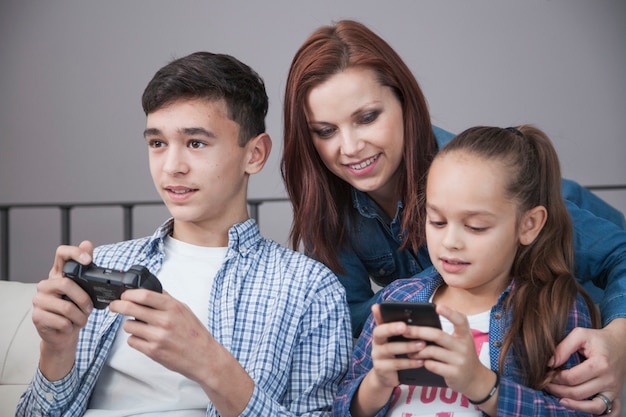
(452, 238)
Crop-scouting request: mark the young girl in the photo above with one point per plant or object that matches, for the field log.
(500, 239)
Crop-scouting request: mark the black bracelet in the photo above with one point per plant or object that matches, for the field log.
(491, 392)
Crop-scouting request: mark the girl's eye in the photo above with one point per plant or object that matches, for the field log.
(476, 229)
(437, 223)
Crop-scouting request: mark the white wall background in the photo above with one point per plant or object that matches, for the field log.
(72, 73)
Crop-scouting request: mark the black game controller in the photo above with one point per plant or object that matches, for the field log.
(105, 285)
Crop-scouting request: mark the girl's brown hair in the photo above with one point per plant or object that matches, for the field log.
(321, 200)
(544, 284)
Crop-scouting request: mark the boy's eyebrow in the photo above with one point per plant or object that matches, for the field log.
(193, 131)
(190, 131)
(151, 132)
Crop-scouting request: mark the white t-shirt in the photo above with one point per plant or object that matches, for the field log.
(417, 401)
(132, 383)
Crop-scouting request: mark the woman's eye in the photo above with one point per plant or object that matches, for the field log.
(368, 118)
(325, 132)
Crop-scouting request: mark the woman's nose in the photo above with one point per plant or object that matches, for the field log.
(351, 143)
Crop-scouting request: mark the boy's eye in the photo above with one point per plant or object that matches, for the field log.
(155, 143)
(196, 144)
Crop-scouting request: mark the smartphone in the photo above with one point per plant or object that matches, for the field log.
(413, 314)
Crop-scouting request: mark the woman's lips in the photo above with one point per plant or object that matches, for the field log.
(364, 167)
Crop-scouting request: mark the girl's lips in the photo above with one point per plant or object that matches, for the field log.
(453, 265)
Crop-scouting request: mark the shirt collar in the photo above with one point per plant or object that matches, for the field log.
(242, 237)
(367, 207)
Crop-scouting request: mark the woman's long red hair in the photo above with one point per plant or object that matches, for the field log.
(322, 201)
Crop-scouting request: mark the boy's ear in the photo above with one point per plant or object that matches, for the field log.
(259, 147)
(531, 224)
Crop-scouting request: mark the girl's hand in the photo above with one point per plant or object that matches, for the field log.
(454, 356)
(380, 381)
(386, 362)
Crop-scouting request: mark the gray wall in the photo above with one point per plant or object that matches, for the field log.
(72, 73)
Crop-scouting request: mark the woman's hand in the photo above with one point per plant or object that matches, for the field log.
(603, 371)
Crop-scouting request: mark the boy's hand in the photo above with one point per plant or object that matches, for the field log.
(59, 320)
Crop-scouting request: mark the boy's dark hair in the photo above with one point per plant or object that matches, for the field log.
(212, 77)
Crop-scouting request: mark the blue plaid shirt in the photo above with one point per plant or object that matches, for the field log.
(514, 399)
(281, 314)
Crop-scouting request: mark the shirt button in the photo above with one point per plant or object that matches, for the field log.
(49, 396)
(497, 344)
(381, 271)
(497, 316)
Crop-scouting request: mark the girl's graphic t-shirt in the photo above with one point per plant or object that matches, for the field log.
(418, 401)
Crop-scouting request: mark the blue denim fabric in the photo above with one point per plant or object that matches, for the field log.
(599, 246)
(586, 200)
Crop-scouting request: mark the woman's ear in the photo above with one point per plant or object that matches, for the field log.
(260, 147)
(532, 223)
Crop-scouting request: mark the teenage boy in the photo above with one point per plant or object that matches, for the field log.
(243, 326)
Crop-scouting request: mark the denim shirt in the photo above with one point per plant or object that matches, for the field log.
(514, 398)
(599, 247)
